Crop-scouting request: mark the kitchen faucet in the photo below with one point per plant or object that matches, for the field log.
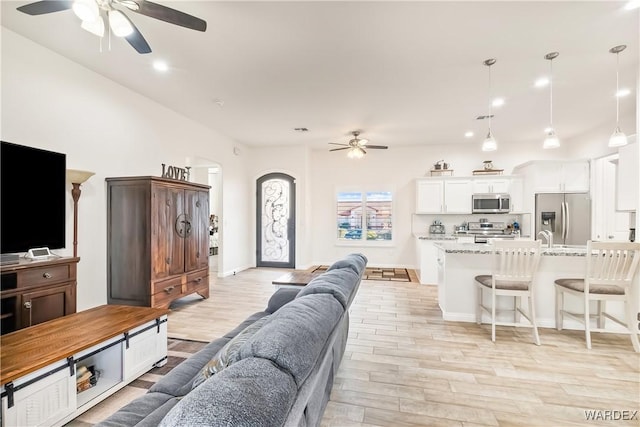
(547, 235)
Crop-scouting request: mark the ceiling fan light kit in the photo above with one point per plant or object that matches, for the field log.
(119, 24)
(89, 11)
(356, 146)
(86, 10)
(618, 138)
(94, 27)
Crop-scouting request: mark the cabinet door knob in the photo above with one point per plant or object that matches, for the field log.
(27, 305)
(199, 279)
(167, 260)
(47, 275)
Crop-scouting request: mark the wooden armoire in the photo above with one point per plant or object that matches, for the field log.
(157, 240)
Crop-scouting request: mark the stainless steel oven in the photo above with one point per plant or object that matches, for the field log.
(491, 203)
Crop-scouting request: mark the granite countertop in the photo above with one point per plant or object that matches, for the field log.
(481, 248)
(428, 236)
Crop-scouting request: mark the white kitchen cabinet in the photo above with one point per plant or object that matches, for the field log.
(627, 178)
(457, 196)
(442, 195)
(516, 191)
(429, 196)
(491, 185)
(552, 176)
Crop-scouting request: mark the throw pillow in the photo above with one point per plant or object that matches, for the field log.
(229, 353)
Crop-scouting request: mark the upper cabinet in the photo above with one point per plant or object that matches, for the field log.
(442, 195)
(551, 176)
(491, 185)
(627, 178)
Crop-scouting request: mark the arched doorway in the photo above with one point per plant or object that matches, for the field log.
(275, 221)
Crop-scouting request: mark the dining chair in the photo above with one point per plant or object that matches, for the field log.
(610, 269)
(513, 267)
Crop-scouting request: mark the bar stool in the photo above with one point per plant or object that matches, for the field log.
(514, 264)
(610, 269)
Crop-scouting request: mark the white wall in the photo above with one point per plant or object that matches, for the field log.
(52, 103)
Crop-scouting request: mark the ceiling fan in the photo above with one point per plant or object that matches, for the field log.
(356, 146)
(94, 12)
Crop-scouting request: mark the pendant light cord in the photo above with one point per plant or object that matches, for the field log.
(490, 102)
(551, 94)
(617, 89)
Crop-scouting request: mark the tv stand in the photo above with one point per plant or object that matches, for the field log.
(39, 384)
(35, 291)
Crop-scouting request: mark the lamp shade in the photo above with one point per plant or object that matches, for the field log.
(618, 139)
(77, 176)
(489, 143)
(95, 27)
(87, 10)
(120, 25)
(551, 141)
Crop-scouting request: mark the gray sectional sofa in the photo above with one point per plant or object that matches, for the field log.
(277, 373)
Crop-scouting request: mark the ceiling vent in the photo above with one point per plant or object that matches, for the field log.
(484, 117)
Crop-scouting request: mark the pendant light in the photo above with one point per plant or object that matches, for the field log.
(489, 143)
(618, 138)
(551, 141)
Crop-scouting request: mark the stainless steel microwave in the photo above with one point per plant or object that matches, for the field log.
(491, 203)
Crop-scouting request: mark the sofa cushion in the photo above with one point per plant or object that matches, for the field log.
(296, 334)
(229, 353)
(280, 298)
(356, 262)
(252, 392)
(178, 381)
(138, 410)
(242, 326)
(341, 283)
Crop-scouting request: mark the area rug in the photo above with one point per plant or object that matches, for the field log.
(379, 273)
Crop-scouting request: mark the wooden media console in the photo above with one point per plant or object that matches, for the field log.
(38, 365)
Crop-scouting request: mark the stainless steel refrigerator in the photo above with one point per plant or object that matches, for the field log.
(566, 215)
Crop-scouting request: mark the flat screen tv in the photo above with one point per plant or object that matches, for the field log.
(32, 198)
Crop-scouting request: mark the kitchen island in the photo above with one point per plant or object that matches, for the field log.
(459, 263)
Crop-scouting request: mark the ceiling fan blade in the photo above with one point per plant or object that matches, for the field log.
(338, 149)
(172, 16)
(46, 6)
(377, 147)
(337, 143)
(136, 39)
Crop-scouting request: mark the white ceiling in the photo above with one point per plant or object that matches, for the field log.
(406, 73)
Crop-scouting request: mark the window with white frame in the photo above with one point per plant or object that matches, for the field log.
(364, 215)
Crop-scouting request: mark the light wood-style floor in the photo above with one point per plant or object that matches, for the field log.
(405, 366)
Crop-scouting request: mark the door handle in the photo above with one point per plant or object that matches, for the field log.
(566, 221)
(27, 305)
(169, 289)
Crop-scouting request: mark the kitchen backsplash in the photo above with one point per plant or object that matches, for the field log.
(421, 223)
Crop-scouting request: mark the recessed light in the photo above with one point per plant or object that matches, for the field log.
(498, 102)
(161, 66)
(219, 102)
(623, 92)
(468, 134)
(541, 82)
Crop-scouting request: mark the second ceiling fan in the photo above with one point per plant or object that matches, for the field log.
(356, 146)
